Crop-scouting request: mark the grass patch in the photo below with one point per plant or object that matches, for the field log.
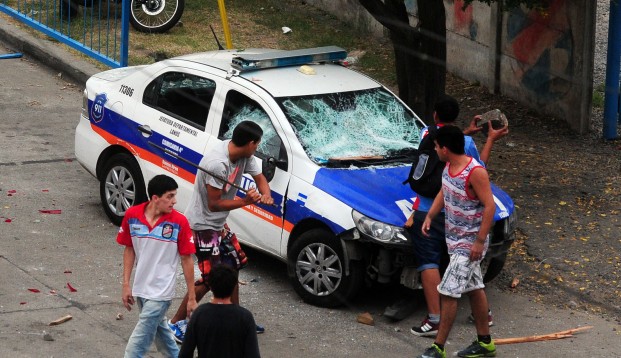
(253, 24)
(599, 96)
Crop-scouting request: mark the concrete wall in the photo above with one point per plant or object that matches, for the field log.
(543, 60)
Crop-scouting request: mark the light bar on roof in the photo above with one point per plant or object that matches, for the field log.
(251, 62)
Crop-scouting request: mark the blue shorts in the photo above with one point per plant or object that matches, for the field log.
(429, 250)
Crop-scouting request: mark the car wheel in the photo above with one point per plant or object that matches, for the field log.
(121, 186)
(316, 269)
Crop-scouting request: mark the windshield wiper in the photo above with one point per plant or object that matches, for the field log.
(339, 162)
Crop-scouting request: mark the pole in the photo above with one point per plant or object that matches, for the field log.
(613, 66)
(175, 155)
(10, 55)
(225, 24)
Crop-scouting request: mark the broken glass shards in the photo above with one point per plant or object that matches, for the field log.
(359, 124)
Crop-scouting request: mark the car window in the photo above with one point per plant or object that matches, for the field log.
(185, 96)
(238, 108)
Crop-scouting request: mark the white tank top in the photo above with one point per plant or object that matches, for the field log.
(463, 212)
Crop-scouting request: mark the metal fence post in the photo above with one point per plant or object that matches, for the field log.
(613, 66)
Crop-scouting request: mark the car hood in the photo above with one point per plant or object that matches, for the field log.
(380, 194)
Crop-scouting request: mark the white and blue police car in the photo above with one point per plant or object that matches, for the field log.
(334, 151)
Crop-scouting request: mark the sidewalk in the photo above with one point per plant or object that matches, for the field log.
(50, 54)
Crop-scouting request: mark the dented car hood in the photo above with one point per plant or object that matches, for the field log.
(380, 194)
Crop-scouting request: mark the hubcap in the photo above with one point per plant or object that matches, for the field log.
(319, 269)
(154, 13)
(120, 190)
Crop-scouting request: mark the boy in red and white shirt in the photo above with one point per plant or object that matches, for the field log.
(156, 238)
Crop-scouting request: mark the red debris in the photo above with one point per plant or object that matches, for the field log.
(53, 292)
(22, 303)
(45, 190)
(8, 220)
(55, 211)
(71, 289)
(12, 191)
(67, 271)
(33, 290)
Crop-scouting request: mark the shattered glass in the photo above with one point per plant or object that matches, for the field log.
(270, 142)
(359, 124)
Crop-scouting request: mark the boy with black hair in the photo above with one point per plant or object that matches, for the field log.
(212, 200)
(155, 235)
(467, 198)
(430, 250)
(220, 328)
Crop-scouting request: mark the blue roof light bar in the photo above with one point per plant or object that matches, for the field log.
(252, 62)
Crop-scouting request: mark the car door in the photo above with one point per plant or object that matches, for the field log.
(177, 112)
(259, 226)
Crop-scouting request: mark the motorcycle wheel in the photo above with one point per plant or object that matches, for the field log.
(155, 16)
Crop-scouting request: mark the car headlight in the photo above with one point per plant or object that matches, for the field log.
(379, 230)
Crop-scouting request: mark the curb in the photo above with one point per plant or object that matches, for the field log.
(46, 52)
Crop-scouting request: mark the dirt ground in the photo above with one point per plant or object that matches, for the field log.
(567, 192)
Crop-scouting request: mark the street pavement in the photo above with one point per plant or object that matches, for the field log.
(54, 235)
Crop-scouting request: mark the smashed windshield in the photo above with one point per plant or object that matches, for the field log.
(360, 125)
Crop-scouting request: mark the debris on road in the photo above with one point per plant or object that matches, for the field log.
(47, 337)
(515, 282)
(71, 289)
(61, 320)
(366, 318)
(119, 316)
(544, 337)
(34, 290)
(54, 211)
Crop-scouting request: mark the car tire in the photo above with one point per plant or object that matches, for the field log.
(492, 267)
(322, 282)
(121, 186)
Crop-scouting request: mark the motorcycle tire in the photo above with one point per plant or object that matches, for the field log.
(155, 16)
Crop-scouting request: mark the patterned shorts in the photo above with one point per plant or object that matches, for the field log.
(212, 250)
(461, 276)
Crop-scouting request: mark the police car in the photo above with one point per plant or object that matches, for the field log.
(334, 150)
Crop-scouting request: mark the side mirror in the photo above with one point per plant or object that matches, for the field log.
(268, 168)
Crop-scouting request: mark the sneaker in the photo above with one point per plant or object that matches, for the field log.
(178, 329)
(490, 319)
(433, 352)
(260, 329)
(426, 329)
(478, 349)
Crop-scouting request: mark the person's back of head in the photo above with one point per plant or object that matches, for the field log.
(246, 132)
(222, 280)
(161, 184)
(451, 137)
(446, 108)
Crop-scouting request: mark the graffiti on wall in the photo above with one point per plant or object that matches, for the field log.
(463, 19)
(542, 44)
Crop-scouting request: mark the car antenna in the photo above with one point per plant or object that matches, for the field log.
(216, 37)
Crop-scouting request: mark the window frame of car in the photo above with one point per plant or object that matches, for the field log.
(281, 159)
(153, 93)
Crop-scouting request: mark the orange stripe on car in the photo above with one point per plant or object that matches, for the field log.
(146, 155)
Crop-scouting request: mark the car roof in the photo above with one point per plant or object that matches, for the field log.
(287, 81)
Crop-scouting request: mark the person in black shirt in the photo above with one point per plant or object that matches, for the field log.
(221, 329)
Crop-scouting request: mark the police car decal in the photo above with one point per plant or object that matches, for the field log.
(98, 107)
(379, 193)
(117, 129)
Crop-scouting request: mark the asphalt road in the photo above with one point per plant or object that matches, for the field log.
(46, 251)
